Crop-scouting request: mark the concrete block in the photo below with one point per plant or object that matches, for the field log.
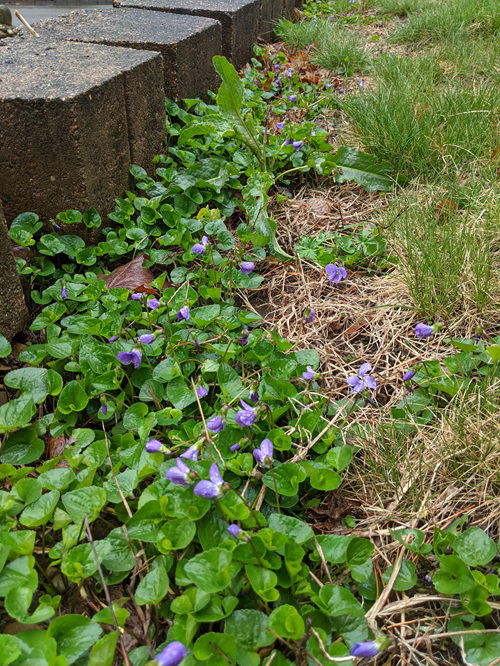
(239, 19)
(73, 117)
(270, 12)
(13, 311)
(187, 43)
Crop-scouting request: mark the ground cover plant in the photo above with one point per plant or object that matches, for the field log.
(255, 420)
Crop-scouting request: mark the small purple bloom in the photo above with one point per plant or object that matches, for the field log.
(64, 293)
(335, 273)
(288, 142)
(201, 391)
(292, 98)
(179, 473)
(210, 489)
(134, 357)
(309, 373)
(408, 375)
(280, 125)
(113, 338)
(136, 297)
(297, 145)
(246, 267)
(104, 409)
(276, 67)
(362, 381)
(246, 416)
(235, 447)
(216, 424)
(310, 315)
(341, 91)
(191, 453)
(172, 655)
(198, 248)
(234, 529)
(264, 454)
(244, 339)
(328, 85)
(184, 314)
(361, 83)
(427, 580)
(254, 396)
(153, 304)
(153, 446)
(364, 649)
(423, 330)
(147, 338)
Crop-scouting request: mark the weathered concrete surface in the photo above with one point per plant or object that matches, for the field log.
(187, 43)
(13, 311)
(73, 117)
(288, 8)
(239, 18)
(270, 12)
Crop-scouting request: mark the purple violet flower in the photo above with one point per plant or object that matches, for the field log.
(153, 445)
(309, 373)
(172, 654)
(104, 409)
(246, 416)
(310, 315)
(335, 273)
(216, 424)
(134, 357)
(264, 454)
(210, 489)
(136, 296)
(235, 447)
(201, 391)
(254, 396)
(341, 91)
(292, 98)
(244, 338)
(408, 375)
(191, 453)
(362, 381)
(147, 338)
(423, 330)
(276, 67)
(179, 473)
(153, 303)
(113, 338)
(234, 529)
(297, 144)
(280, 125)
(328, 85)
(364, 649)
(199, 248)
(183, 314)
(64, 293)
(246, 267)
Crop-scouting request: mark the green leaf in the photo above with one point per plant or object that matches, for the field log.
(339, 457)
(322, 477)
(285, 478)
(22, 447)
(220, 649)
(475, 547)
(406, 578)
(75, 634)
(334, 547)
(10, 649)
(286, 622)
(23, 228)
(292, 527)
(210, 570)
(180, 393)
(103, 652)
(363, 169)
(263, 582)
(16, 413)
(154, 586)
(176, 534)
(230, 382)
(250, 628)
(412, 539)
(41, 511)
(359, 550)
(72, 398)
(494, 352)
(5, 348)
(453, 576)
(337, 601)
(84, 501)
(38, 383)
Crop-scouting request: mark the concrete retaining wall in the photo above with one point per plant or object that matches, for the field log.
(85, 100)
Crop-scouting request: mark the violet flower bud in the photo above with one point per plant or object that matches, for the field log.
(64, 293)
(191, 453)
(183, 314)
(179, 473)
(409, 374)
(246, 416)
(234, 529)
(201, 391)
(134, 357)
(309, 315)
(264, 454)
(172, 654)
(210, 489)
(136, 296)
(246, 267)
(153, 304)
(216, 424)
(364, 649)
(309, 373)
(113, 338)
(423, 330)
(147, 338)
(280, 125)
(292, 98)
(153, 446)
(297, 145)
(235, 447)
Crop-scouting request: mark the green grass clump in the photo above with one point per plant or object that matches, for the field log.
(340, 50)
(336, 49)
(421, 124)
(399, 7)
(440, 20)
(444, 240)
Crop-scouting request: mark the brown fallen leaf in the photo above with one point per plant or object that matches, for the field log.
(56, 445)
(131, 275)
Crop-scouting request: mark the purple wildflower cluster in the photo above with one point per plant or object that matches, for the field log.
(335, 273)
(199, 248)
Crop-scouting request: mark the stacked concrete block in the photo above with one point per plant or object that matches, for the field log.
(13, 312)
(270, 12)
(187, 43)
(73, 117)
(239, 19)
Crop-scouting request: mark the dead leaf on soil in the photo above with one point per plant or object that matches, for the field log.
(56, 445)
(131, 275)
